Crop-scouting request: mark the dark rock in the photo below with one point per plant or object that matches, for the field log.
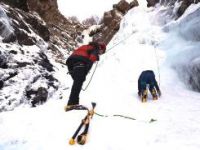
(3, 61)
(11, 38)
(194, 77)
(1, 84)
(29, 93)
(11, 75)
(51, 81)
(41, 96)
(185, 4)
(17, 22)
(22, 64)
(57, 24)
(134, 3)
(39, 28)
(122, 6)
(21, 4)
(107, 18)
(168, 2)
(23, 38)
(44, 62)
(111, 21)
(23, 24)
(152, 3)
(2, 27)
(13, 52)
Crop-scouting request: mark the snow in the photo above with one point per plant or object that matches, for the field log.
(114, 88)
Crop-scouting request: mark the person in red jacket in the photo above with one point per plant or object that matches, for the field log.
(79, 64)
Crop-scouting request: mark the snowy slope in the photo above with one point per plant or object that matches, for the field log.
(148, 45)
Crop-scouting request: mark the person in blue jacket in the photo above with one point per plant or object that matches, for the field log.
(147, 81)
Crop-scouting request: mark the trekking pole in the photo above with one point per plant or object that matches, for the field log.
(81, 139)
(72, 140)
(85, 121)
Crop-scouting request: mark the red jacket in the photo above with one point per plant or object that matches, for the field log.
(88, 52)
(86, 55)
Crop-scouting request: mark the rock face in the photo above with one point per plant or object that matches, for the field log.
(63, 32)
(21, 4)
(27, 22)
(23, 59)
(111, 21)
(151, 3)
(184, 5)
(194, 78)
(189, 74)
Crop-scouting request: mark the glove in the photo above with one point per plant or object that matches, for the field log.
(159, 93)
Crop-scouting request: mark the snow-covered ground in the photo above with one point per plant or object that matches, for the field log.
(151, 43)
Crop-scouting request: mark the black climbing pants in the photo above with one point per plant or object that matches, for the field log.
(78, 75)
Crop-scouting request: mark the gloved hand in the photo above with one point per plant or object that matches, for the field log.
(159, 93)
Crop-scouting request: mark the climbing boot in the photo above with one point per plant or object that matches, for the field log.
(75, 107)
(154, 95)
(144, 96)
(70, 107)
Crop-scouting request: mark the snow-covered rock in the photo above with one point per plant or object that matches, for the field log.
(26, 73)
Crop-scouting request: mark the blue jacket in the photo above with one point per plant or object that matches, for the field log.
(147, 77)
